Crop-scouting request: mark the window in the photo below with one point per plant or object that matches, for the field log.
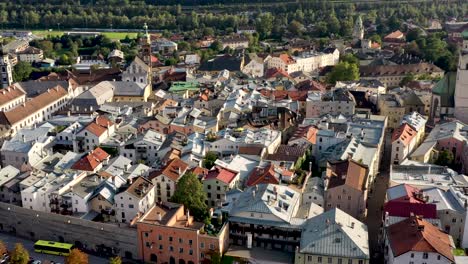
(361, 261)
(181, 250)
(181, 240)
(412, 255)
(190, 242)
(329, 260)
(190, 252)
(208, 187)
(309, 258)
(340, 261)
(160, 237)
(171, 248)
(438, 257)
(170, 239)
(146, 234)
(202, 245)
(319, 259)
(425, 255)
(130, 206)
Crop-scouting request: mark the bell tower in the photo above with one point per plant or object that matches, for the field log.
(146, 46)
(461, 86)
(6, 76)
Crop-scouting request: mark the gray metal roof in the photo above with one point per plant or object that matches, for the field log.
(335, 233)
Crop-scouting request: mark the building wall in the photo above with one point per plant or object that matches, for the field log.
(348, 199)
(30, 57)
(13, 103)
(319, 108)
(418, 258)
(165, 188)
(302, 258)
(453, 223)
(47, 226)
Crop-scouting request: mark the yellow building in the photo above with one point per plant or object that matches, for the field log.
(131, 91)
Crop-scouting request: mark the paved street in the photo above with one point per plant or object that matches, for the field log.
(374, 216)
(10, 241)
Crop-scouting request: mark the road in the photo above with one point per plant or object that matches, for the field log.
(375, 203)
(10, 242)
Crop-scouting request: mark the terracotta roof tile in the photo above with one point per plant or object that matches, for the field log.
(262, 175)
(287, 58)
(416, 234)
(9, 94)
(173, 170)
(405, 133)
(347, 172)
(221, 174)
(91, 161)
(32, 106)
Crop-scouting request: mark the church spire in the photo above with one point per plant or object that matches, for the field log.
(147, 36)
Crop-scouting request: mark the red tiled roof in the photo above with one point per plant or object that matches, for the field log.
(199, 171)
(405, 133)
(99, 126)
(262, 175)
(348, 172)
(310, 85)
(416, 234)
(9, 94)
(221, 174)
(91, 161)
(287, 58)
(395, 35)
(276, 72)
(174, 169)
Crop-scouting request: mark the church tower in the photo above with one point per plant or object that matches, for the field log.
(358, 31)
(461, 86)
(6, 76)
(145, 52)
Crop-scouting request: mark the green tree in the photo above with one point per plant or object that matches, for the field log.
(264, 24)
(216, 46)
(115, 260)
(333, 24)
(21, 71)
(64, 59)
(209, 160)
(19, 255)
(350, 58)
(343, 71)
(445, 158)
(189, 192)
(295, 27)
(77, 257)
(408, 78)
(376, 38)
(413, 34)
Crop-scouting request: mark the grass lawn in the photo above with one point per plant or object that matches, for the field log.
(459, 252)
(111, 35)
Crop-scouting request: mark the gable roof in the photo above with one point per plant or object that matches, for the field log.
(9, 94)
(99, 126)
(335, 233)
(416, 234)
(91, 161)
(405, 133)
(348, 172)
(32, 106)
(225, 62)
(262, 175)
(173, 170)
(221, 174)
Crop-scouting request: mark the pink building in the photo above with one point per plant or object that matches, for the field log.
(168, 234)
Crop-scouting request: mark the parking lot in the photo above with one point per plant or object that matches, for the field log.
(10, 242)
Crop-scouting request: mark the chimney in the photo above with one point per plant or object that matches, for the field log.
(69, 113)
(253, 193)
(158, 216)
(180, 171)
(23, 137)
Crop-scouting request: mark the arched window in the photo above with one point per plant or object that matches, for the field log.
(153, 258)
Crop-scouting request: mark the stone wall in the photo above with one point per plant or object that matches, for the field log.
(93, 237)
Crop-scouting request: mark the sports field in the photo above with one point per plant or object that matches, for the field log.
(111, 35)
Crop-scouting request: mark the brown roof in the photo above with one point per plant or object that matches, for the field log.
(95, 76)
(262, 175)
(281, 95)
(91, 161)
(251, 150)
(140, 187)
(173, 170)
(99, 126)
(9, 94)
(31, 50)
(310, 85)
(405, 69)
(395, 35)
(286, 58)
(286, 153)
(405, 133)
(416, 234)
(348, 172)
(32, 106)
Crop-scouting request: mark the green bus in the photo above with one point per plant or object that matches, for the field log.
(53, 248)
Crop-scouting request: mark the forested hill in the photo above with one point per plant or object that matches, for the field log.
(324, 17)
